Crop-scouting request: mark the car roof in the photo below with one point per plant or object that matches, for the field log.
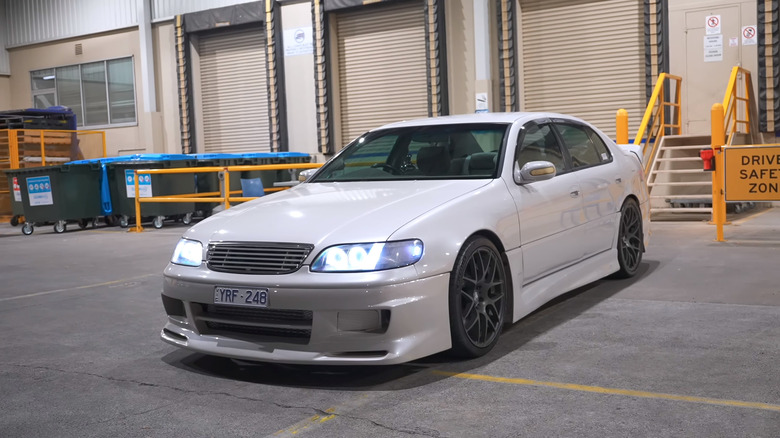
(480, 118)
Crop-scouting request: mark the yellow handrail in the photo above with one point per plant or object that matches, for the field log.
(655, 116)
(731, 102)
(209, 196)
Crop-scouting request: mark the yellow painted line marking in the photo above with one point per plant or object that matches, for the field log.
(752, 216)
(307, 423)
(89, 286)
(614, 391)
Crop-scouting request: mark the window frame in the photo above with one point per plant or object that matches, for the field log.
(81, 116)
(567, 167)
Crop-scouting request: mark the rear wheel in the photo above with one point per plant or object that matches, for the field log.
(27, 228)
(478, 297)
(630, 239)
(158, 221)
(60, 227)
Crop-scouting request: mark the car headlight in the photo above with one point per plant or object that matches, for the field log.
(188, 253)
(368, 256)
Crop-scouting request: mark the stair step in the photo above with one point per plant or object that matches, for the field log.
(690, 171)
(680, 159)
(681, 184)
(681, 210)
(694, 197)
(697, 147)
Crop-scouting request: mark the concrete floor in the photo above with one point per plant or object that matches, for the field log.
(690, 347)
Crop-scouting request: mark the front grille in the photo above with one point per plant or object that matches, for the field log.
(281, 325)
(257, 258)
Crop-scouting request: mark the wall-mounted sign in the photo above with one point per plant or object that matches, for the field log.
(298, 41)
(712, 24)
(713, 48)
(752, 173)
(749, 36)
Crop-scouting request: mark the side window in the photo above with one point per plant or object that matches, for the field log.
(584, 146)
(539, 144)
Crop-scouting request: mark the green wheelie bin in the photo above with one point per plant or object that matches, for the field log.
(121, 177)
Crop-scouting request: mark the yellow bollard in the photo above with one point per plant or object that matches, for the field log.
(621, 122)
(718, 133)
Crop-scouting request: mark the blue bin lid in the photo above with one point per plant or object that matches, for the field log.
(215, 156)
(274, 155)
(135, 157)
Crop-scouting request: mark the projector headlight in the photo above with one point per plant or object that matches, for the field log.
(362, 257)
(188, 253)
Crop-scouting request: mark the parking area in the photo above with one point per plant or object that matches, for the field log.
(689, 347)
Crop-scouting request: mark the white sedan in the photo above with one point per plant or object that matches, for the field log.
(418, 237)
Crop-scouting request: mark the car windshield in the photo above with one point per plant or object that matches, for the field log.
(464, 151)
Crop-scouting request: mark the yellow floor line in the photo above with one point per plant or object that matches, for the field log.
(752, 216)
(89, 286)
(614, 391)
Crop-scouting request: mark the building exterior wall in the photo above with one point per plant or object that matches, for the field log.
(99, 47)
(5, 93)
(704, 83)
(461, 56)
(167, 87)
(299, 81)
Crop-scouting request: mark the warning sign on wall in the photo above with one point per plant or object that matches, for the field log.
(712, 24)
(713, 48)
(749, 36)
(752, 173)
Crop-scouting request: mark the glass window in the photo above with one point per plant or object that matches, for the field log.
(93, 81)
(121, 91)
(539, 144)
(69, 89)
(99, 93)
(453, 151)
(579, 143)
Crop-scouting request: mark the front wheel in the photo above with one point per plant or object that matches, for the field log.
(27, 228)
(630, 239)
(158, 221)
(60, 227)
(478, 297)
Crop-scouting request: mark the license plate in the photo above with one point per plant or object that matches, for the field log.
(237, 296)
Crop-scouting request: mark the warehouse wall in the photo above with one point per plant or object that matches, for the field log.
(299, 82)
(461, 69)
(167, 87)
(5, 93)
(98, 47)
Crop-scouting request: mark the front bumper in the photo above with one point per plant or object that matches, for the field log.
(381, 317)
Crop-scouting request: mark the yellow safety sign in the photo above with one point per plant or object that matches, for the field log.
(752, 173)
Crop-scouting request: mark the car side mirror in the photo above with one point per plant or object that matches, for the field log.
(306, 174)
(533, 171)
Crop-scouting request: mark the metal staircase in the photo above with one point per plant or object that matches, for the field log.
(677, 183)
(679, 187)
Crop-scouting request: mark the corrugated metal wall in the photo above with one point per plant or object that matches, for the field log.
(167, 9)
(35, 21)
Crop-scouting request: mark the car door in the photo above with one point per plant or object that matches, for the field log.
(593, 166)
(550, 211)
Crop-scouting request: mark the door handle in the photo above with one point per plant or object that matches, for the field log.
(575, 193)
(618, 180)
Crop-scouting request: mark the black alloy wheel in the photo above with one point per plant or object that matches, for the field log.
(478, 297)
(630, 239)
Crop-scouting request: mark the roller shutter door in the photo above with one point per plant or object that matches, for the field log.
(382, 71)
(234, 92)
(584, 58)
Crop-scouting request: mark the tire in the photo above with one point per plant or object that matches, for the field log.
(124, 221)
(14, 221)
(158, 221)
(83, 223)
(630, 244)
(477, 298)
(60, 227)
(27, 228)
(186, 219)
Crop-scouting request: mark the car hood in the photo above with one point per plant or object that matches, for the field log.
(331, 213)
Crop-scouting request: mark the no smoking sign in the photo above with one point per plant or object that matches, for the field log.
(712, 24)
(749, 36)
